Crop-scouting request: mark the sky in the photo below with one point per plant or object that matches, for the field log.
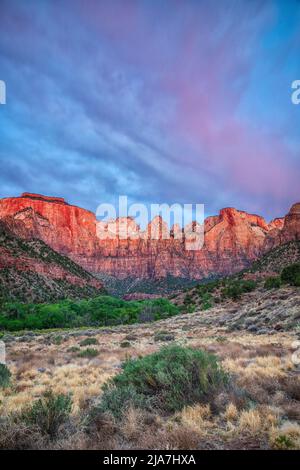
(165, 101)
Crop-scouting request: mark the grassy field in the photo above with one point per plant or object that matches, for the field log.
(260, 408)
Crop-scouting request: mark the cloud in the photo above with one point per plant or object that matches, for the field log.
(162, 101)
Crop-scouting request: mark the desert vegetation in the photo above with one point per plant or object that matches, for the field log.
(164, 381)
(211, 394)
(210, 368)
(185, 382)
(211, 293)
(97, 311)
(291, 274)
(161, 286)
(4, 376)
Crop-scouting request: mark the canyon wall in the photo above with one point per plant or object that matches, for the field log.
(231, 240)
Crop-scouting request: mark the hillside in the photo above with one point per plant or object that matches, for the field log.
(149, 287)
(277, 258)
(270, 263)
(31, 271)
(208, 294)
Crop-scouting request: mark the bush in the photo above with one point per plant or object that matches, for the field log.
(89, 352)
(236, 288)
(49, 413)
(17, 435)
(130, 337)
(272, 283)
(297, 281)
(283, 442)
(163, 336)
(291, 274)
(166, 380)
(248, 286)
(88, 342)
(73, 349)
(57, 340)
(116, 400)
(234, 292)
(97, 311)
(206, 301)
(125, 344)
(4, 376)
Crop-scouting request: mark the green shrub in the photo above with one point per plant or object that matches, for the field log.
(73, 349)
(291, 274)
(283, 442)
(206, 301)
(236, 288)
(125, 344)
(57, 340)
(221, 339)
(190, 308)
(272, 283)
(115, 400)
(166, 380)
(248, 286)
(89, 352)
(234, 292)
(88, 342)
(49, 413)
(164, 336)
(188, 299)
(96, 311)
(130, 337)
(5, 375)
(297, 281)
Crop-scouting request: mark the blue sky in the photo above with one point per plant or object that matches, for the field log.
(162, 101)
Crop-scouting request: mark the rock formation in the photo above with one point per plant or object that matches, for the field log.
(31, 270)
(232, 239)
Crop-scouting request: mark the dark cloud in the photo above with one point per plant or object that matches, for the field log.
(161, 101)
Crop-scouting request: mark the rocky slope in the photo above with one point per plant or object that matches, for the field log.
(142, 288)
(31, 271)
(233, 239)
(273, 262)
(261, 311)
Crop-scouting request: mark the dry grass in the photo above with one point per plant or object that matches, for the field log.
(132, 424)
(250, 421)
(197, 418)
(261, 407)
(231, 413)
(285, 437)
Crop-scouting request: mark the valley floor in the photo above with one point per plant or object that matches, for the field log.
(254, 338)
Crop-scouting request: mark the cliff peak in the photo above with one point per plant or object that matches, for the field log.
(295, 209)
(41, 197)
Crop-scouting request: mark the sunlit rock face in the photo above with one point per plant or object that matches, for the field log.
(45, 267)
(120, 248)
(291, 227)
(286, 229)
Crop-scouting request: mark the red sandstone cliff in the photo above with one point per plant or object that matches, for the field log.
(232, 239)
(31, 270)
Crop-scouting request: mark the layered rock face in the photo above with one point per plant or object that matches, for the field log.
(67, 229)
(31, 270)
(231, 240)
